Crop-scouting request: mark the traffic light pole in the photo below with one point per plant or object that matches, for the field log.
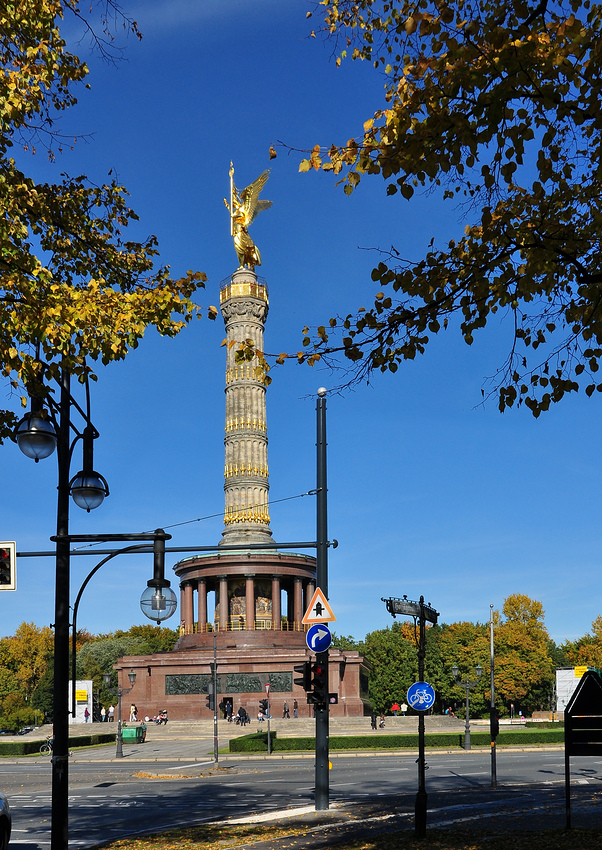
(322, 790)
(269, 712)
(214, 683)
(492, 715)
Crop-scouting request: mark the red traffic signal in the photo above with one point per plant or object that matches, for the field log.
(319, 679)
(8, 566)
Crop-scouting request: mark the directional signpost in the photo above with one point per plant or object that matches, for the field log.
(421, 695)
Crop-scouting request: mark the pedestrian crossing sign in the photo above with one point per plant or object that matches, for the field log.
(318, 610)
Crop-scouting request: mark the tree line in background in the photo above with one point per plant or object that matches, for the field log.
(26, 667)
(525, 662)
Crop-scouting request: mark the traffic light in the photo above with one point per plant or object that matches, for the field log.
(305, 678)
(8, 566)
(318, 683)
(210, 697)
(263, 705)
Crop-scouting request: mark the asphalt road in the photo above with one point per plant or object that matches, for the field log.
(116, 798)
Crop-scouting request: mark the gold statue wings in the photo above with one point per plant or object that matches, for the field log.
(250, 205)
(244, 208)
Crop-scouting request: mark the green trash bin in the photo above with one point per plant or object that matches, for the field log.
(130, 734)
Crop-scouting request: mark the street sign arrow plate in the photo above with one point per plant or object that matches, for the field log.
(318, 638)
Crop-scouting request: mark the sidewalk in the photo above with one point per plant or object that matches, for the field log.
(192, 742)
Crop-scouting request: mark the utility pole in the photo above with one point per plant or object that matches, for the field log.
(322, 792)
(493, 720)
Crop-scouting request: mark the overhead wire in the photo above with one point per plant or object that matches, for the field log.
(214, 516)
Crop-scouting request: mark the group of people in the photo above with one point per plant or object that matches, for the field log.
(381, 722)
(107, 716)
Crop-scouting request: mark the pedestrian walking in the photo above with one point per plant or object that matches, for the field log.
(373, 720)
(404, 708)
(86, 714)
(103, 714)
(285, 711)
(295, 708)
(111, 713)
(395, 709)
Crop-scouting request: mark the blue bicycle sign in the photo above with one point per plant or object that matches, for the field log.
(421, 696)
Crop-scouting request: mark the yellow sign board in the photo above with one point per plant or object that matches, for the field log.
(580, 671)
(81, 696)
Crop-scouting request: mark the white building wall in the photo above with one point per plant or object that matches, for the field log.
(83, 700)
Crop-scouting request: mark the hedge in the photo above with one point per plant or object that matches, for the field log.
(258, 742)
(27, 747)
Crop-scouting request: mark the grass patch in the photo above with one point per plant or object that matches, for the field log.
(207, 837)
(221, 837)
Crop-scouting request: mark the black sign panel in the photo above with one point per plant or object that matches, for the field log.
(583, 717)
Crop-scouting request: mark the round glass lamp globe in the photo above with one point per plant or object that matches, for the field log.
(158, 603)
(35, 437)
(88, 490)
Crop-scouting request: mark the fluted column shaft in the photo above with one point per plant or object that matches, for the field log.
(244, 307)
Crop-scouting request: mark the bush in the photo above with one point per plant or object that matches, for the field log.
(258, 743)
(255, 743)
(28, 746)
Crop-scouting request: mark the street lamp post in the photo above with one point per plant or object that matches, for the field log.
(119, 692)
(37, 435)
(468, 685)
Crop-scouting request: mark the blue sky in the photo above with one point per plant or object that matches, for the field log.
(429, 492)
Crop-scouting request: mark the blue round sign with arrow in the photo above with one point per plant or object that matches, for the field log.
(421, 696)
(318, 638)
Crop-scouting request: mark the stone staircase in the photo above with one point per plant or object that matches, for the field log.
(287, 728)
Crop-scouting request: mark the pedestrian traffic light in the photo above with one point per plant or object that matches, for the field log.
(210, 696)
(8, 566)
(304, 679)
(318, 683)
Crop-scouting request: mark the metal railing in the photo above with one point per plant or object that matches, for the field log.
(238, 624)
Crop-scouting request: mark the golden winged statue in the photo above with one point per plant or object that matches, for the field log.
(243, 209)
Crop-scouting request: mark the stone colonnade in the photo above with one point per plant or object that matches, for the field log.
(248, 590)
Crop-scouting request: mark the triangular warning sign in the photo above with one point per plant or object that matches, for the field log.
(318, 611)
